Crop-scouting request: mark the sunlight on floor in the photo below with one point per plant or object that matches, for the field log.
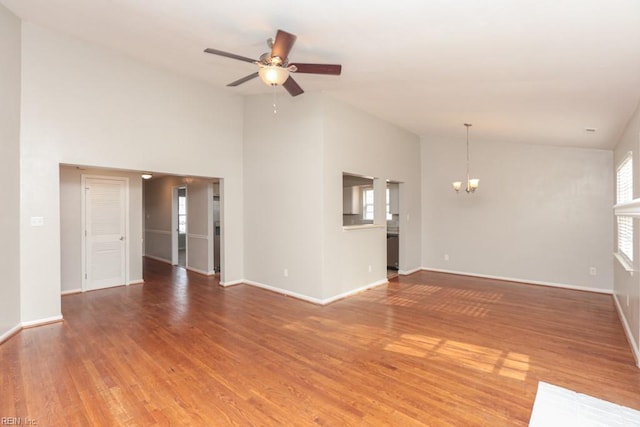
(465, 302)
(484, 359)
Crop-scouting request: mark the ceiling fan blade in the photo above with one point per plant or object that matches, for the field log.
(230, 55)
(333, 69)
(292, 87)
(244, 79)
(282, 45)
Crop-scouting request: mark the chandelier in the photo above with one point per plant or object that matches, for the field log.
(472, 183)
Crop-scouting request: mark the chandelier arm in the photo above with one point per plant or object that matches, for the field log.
(471, 186)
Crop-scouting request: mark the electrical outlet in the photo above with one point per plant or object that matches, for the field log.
(592, 271)
(37, 221)
(446, 257)
(369, 269)
(286, 272)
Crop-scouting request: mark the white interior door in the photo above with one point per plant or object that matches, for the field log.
(105, 232)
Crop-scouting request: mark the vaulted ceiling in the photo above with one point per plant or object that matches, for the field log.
(532, 71)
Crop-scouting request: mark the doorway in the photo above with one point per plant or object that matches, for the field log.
(105, 223)
(393, 228)
(216, 227)
(179, 209)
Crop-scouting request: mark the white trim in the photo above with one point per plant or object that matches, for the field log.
(362, 227)
(72, 291)
(354, 291)
(525, 281)
(408, 272)
(231, 283)
(40, 322)
(313, 300)
(627, 330)
(136, 282)
(631, 208)
(196, 270)
(174, 227)
(210, 228)
(283, 292)
(624, 262)
(11, 332)
(152, 230)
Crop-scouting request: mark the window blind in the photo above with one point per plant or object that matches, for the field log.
(624, 181)
(624, 194)
(625, 236)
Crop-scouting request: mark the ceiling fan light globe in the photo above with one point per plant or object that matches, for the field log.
(273, 75)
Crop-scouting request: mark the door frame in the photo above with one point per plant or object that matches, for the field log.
(174, 225)
(83, 205)
(400, 185)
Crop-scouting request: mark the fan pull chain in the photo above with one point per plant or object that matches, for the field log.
(275, 108)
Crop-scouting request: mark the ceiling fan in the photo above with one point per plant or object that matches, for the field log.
(274, 67)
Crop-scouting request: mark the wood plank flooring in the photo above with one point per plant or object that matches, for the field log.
(428, 349)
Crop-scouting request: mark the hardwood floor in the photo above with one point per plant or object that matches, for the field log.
(428, 349)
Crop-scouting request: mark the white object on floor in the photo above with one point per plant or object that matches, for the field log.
(557, 406)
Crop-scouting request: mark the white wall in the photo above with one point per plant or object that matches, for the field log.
(541, 213)
(82, 104)
(293, 166)
(9, 171)
(626, 286)
(283, 193)
(200, 226)
(357, 143)
(71, 225)
(158, 199)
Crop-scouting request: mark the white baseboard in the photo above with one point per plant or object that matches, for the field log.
(205, 273)
(407, 272)
(40, 322)
(231, 283)
(283, 292)
(524, 281)
(11, 332)
(354, 291)
(71, 291)
(313, 300)
(627, 330)
(136, 282)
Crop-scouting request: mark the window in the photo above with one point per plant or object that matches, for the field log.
(624, 180)
(367, 204)
(624, 194)
(625, 236)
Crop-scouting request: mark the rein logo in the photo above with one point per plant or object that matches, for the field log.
(17, 421)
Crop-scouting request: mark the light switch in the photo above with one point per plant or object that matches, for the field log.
(37, 221)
